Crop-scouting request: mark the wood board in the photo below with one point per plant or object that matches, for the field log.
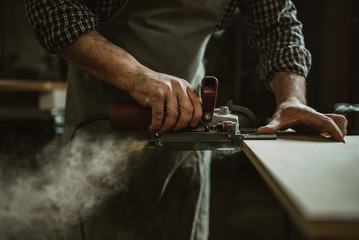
(14, 85)
(316, 179)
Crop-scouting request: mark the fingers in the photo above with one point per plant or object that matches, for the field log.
(162, 122)
(186, 111)
(340, 121)
(175, 105)
(190, 109)
(197, 105)
(300, 115)
(157, 115)
(272, 127)
(171, 114)
(330, 127)
(282, 120)
(323, 124)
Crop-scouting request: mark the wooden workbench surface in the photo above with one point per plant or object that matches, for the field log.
(317, 180)
(15, 85)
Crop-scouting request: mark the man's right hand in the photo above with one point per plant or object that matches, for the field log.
(175, 104)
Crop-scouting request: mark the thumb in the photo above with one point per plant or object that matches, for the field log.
(272, 127)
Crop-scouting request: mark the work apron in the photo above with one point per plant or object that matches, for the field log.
(168, 193)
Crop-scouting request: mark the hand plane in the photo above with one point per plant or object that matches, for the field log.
(219, 128)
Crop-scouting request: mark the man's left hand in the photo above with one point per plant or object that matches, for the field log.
(302, 118)
(292, 112)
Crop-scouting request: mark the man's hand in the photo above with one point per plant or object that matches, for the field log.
(175, 104)
(292, 111)
(305, 119)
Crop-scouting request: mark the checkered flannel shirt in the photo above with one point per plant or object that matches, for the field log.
(272, 28)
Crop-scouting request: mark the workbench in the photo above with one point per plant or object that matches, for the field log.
(50, 96)
(315, 178)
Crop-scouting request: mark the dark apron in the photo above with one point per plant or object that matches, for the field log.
(168, 193)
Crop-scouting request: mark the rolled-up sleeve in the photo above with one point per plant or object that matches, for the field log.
(275, 31)
(57, 23)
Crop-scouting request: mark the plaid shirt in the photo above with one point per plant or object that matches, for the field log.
(272, 27)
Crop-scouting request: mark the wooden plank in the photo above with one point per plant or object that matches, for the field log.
(315, 178)
(13, 85)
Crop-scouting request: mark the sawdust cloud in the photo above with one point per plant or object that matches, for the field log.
(70, 182)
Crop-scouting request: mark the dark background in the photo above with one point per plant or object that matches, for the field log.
(331, 32)
(242, 205)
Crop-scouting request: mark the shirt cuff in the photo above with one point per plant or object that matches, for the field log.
(293, 58)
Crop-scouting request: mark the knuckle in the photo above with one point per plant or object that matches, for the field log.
(157, 114)
(327, 119)
(172, 114)
(158, 117)
(343, 119)
(327, 122)
(187, 110)
(165, 88)
(176, 84)
(157, 96)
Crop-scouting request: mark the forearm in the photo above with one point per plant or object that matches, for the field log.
(292, 111)
(289, 87)
(99, 57)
